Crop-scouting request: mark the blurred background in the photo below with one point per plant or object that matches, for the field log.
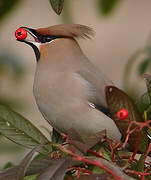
(121, 48)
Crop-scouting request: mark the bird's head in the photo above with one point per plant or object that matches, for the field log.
(44, 36)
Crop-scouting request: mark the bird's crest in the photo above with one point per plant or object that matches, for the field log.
(67, 30)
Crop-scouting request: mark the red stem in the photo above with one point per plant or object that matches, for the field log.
(83, 170)
(148, 151)
(94, 162)
(95, 153)
(136, 148)
(138, 173)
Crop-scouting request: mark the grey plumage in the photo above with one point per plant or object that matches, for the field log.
(68, 87)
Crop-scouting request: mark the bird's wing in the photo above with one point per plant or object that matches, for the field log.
(97, 83)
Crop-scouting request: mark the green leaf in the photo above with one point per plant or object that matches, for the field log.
(6, 6)
(140, 164)
(56, 137)
(97, 170)
(149, 133)
(107, 6)
(144, 102)
(105, 149)
(32, 177)
(57, 5)
(8, 165)
(144, 105)
(117, 100)
(143, 66)
(21, 131)
(148, 84)
(18, 172)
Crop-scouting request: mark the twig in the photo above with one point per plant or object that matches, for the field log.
(94, 162)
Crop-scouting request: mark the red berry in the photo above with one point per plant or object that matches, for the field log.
(20, 33)
(122, 114)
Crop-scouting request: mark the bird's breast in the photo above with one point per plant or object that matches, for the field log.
(58, 87)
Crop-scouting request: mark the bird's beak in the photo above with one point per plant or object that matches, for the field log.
(33, 33)
(35, 44)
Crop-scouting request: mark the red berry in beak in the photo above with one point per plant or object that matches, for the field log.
(20, 33)
(122, 114)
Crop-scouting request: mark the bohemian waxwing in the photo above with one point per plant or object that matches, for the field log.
(68, 88)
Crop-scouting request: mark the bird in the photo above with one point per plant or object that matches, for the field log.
(69, 89)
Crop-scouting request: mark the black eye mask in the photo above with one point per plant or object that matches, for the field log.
(41, 38)
(47, 38)
(38, 38)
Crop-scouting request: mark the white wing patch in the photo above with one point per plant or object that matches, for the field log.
(92, 105)
(148, 136)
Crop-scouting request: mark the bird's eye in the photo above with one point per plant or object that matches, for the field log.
(20, 33)
(46, 39)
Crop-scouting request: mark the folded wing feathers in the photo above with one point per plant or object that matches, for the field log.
(68, 30)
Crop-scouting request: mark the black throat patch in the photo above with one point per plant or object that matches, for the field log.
(44, 39)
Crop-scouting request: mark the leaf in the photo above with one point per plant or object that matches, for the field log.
(32, 177)
(38, 165)
(21, 131)
(56, 171)
(18, 172)
(56, 137)
(147, 78)
(144, 102)
(9, 147)
(6, 6)
(143, 66)
(77, 144)
(57, 5)
(112, 167)
(116, 100)
(26, 161)
(106, 152)
(96, 170)
(140, 164)
(8, 165)
(107, 6)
